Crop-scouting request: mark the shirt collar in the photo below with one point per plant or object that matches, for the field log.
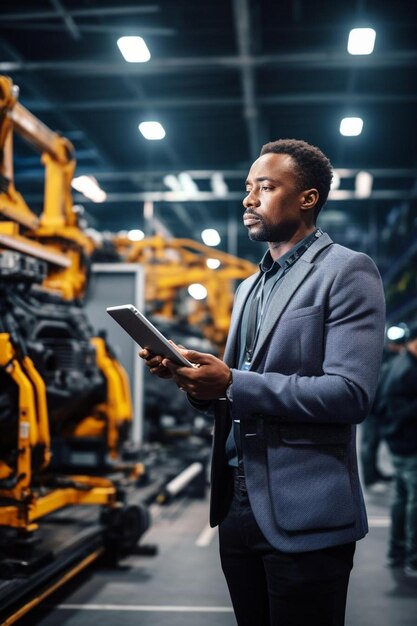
(267, 262)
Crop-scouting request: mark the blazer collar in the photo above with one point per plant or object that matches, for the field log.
(322, 242)
(289, 286)
(279, 300)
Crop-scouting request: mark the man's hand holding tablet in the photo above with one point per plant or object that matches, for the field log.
(202, 375)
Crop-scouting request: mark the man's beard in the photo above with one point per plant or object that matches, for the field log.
(270, 232)
(262, 233)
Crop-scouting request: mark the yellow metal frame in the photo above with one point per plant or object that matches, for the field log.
(33, 426)
(118, 407)
(41, 406)
(27, 431)
(25, 514)
(33, 429)
(55, 232)
(12, 204)
(56, 238)
(171, 264)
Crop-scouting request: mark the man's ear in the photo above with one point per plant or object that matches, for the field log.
(309, 199)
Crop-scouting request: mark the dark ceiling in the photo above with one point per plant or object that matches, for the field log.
(225, 76)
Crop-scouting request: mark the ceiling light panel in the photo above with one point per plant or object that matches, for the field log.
(134, 49)
(361, 41)
(351, 126)
(89, 187)
(153, 131)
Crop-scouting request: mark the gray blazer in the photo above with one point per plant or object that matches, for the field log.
(313, 377)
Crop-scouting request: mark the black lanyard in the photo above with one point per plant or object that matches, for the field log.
(259, 301)
(256, 312)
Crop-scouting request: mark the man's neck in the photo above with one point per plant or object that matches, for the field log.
(278, 248)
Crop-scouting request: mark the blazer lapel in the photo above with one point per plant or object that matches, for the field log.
(289, 286)
(241, 296)
(279, 300)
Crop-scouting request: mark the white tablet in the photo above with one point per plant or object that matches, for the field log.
(145, 334)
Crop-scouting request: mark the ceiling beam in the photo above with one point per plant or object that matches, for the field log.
(69, 23)
(241, 15)
(95, 28)
(312, 60)
(100, 11)
(170, 197)
(181, 102)
(376, 172)
(338, 195)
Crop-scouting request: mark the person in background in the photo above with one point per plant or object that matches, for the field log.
(373, 479)
(398, 414)
(300, 370)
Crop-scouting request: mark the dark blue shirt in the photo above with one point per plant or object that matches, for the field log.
(269, 281)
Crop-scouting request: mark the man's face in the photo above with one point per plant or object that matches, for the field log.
(272, 205)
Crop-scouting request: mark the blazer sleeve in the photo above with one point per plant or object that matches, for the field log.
(353, 343)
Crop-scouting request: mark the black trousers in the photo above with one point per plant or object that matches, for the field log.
(273, 588)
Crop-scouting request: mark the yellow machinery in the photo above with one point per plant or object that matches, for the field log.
(60, 386)
(62, 392)
(53, 236)
(173, 264)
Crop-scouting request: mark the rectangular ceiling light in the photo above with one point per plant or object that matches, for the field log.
(351, 126)
(218, 185)
(89, 187)
(134, 49)
(361, 41)
(363, 184)
(187, 183)
(152, 130)
(172, 182)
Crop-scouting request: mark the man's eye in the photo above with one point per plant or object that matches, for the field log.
(266, 188)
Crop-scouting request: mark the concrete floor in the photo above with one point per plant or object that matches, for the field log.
(183, 585)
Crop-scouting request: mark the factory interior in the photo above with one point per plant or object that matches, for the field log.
(127, 130)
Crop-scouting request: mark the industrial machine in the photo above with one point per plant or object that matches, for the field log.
(67, 494)
(171, 265)
(65, 403)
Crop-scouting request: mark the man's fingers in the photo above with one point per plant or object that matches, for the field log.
(173, 367)
(199, 358)
(161, 372)
(154, 361)
(148, 356)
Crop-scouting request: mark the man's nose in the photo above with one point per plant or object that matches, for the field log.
(250, 200)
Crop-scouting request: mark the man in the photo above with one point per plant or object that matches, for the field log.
(397, 411)
(300, 370)
(373, 479)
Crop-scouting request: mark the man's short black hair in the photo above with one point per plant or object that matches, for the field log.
(314, 169)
